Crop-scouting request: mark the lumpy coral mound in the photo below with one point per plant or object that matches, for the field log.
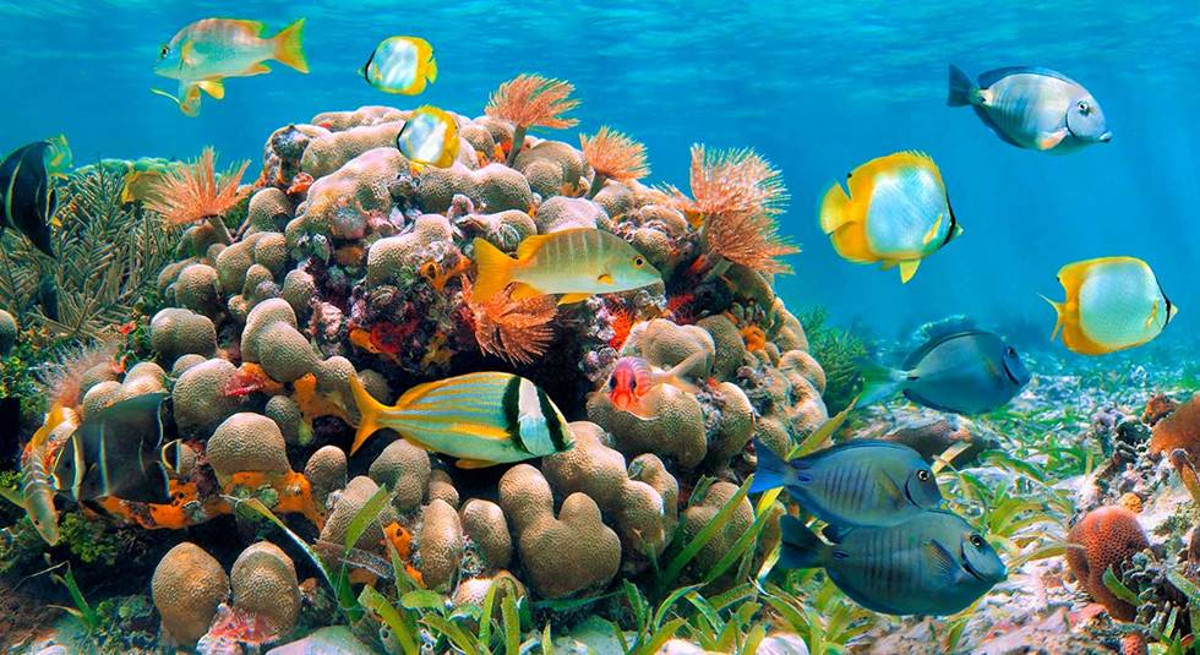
(354, 265)
(1103, 538)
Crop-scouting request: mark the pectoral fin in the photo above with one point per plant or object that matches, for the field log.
(1051, 140)
(606, 279)
(214, 88)
(940, 559)
(891, 492)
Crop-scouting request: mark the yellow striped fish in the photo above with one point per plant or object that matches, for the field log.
(483, 419)
(37, 486)
(577, 263)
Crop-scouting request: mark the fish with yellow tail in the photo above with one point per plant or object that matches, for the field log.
(201, 55)
(1113, 303)
(37, 484)
(482, 419)
(897, 213)
(576, 263)
(429, 138)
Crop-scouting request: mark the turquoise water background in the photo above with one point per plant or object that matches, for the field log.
(817, 87)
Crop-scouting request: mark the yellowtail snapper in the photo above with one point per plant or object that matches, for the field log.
(859, 483)
(968, 372)
(27, 190)
(1034, 108)
(934, 564)
(483, 419)
(577, 263)
(116, 451)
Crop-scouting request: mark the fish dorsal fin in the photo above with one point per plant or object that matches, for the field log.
(940, 559)
(530, 245)
(991, 77)
(214, 88)
(413, 394)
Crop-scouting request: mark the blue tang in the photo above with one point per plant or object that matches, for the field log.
(859, 483)
(935, 564)
(967, 372)
(1034, 108)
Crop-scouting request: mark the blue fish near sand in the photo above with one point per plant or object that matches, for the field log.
(967, 372)
(860, 483)
(1033, 108)
(934, 564)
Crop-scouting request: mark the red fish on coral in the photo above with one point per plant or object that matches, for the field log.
(634, 378)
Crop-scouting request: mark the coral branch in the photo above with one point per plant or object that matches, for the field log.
(194, 192)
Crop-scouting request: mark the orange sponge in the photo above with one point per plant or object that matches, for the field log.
(1104, 537)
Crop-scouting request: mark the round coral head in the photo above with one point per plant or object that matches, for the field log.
(1104, 537)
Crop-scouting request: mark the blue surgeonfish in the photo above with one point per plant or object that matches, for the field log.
(897, 213)
(401, 64)
(858, 483)
(483, 419)
(1113, 303)
(934, 564)
(968, 372)
(1033, 108)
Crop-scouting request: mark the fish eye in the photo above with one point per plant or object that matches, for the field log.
(164, 51)
(1084, 107)
(924, 475)
(612, 382)
(639, 261)
(977, 541)
(1010, 351)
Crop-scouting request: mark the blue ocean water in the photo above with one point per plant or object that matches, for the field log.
(818, 88)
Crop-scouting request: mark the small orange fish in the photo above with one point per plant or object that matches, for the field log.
(634, 378)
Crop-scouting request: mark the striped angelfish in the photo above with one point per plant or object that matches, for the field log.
(482, 419)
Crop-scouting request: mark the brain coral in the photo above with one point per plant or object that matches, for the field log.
(1104, 537)
(263, 580)
(175, 332)
(247, 442)
(493, 188)
(187, 587)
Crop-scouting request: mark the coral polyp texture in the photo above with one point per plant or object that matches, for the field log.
(352, 263)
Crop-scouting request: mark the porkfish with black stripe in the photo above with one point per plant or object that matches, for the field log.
(482, 419)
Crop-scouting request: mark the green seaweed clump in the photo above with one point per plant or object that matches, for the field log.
(17, 381)
(839, 352)
(90, 541)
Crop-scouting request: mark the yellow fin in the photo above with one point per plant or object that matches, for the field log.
(862, 181)
(426, 51)
(908, 269)
(833, 208)
(1060, 316)
(369, 410)
(850, 241)
(530, 245)
(1049, 141)
(572, 298)
(524, 291)
(473, 464)
(214, 88)
(288, 47)
(257, 69)
(493, 269)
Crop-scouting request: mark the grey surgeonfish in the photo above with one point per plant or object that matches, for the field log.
(117, 451)
(859, 483)
(967, 372)
(934, 564)
(1034, 108)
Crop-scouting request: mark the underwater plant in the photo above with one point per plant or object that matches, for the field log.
(195, 192)
(839, 352)
(518, 331)
(110, 254)
(613, 156)
(530, 100)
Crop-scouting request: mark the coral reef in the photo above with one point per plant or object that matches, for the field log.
(1105, 537)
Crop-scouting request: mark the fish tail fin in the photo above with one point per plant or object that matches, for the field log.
(369, 411)
(493, 269)
(802, 548)
(833, 208)
(289, 49)
(772, 470)
(1060, 316)
(962, 90)
(879, 382)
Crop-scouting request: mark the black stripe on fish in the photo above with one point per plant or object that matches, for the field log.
(953, 222)
(1168, 303)
(367, 67)
(552, 423)
(115, 452)
(512, 412)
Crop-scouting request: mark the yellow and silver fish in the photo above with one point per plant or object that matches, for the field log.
(577, 263)
(1113, 303)
(897, 213)
(482, 419)
(429, 136)
(207, 51)
(401, 64)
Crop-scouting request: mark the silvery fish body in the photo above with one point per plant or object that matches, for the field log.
(1034, 108)
(934, 564)
(859, 483)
